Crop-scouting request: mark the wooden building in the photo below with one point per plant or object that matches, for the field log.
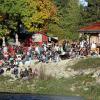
(39, 38)
(92, 32)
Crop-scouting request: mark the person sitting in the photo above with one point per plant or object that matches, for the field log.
(16, 71)
(8, 69)
(93, 48)
(21, 73)
(30, 72)
(26, 73)
(1, 71)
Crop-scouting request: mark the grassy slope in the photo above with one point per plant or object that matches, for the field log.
(87, 63)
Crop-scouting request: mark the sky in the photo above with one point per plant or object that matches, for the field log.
(83, 2)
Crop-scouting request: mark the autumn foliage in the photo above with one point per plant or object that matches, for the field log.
(34, 14)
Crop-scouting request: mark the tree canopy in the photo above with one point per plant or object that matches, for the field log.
(34, 14)
(91, 13)
(60, 18)
(69, 18)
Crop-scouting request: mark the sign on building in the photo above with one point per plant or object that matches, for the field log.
(37, 37)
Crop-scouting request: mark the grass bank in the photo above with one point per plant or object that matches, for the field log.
(86, 63)
(77, 86)
(83, 85)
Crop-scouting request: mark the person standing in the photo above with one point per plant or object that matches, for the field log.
(5, 52)
(93, 47)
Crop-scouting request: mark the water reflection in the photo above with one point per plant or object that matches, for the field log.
(35, 97)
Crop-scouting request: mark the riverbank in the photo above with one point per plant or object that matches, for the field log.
(81, 83)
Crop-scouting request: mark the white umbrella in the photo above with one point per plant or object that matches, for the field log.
(3, 44)
(16, 37)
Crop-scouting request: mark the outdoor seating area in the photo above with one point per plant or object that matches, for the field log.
(17, 59)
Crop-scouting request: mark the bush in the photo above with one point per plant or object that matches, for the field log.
(43, 76)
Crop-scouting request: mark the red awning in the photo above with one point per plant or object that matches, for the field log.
(95, 27)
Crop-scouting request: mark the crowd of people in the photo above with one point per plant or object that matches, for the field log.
(12, 55)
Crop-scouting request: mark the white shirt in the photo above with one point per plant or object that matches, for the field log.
(45, 49)
(37, 49)
(82, 44)
(93, 45)
(5, 49)
(29, 48)
(57, 48)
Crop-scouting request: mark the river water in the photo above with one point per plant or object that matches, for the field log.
(36, 97)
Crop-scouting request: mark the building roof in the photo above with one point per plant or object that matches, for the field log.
(92, 28)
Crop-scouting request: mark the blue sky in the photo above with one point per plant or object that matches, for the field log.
(83, 2)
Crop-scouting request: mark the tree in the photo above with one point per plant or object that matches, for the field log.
(73, 18)
(69, 17)
(44, 11)
(91, 12)
(3, 31)
(34, 14)
(57, 28)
